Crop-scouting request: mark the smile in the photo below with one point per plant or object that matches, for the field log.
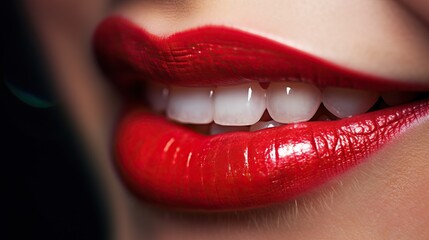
(221, 119)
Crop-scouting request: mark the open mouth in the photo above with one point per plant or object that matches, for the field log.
(251, 107)
(234, 120)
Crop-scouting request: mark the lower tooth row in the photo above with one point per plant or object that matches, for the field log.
(243, 105)
(218, 129)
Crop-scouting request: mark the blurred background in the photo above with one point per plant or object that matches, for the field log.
(48, 190)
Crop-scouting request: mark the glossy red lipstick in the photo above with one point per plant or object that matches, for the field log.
(213, 55)
(174, 166)
(169, 164)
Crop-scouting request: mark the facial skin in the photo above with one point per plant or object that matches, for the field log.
(384, 198)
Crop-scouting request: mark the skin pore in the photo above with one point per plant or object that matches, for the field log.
(384, 198)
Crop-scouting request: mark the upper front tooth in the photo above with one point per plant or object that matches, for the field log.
(289, 102)
(190, 105)
(344, 102)
(239, 105)
(157, 95)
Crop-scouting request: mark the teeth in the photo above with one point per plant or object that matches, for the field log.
(348, 102)
(190, 105)
(262, 125)
(157, 95)
(218, 129)
(292, 102)
(239, 105)
(244, 105)
(398, 98)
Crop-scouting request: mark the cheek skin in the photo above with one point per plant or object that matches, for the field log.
(420, 8)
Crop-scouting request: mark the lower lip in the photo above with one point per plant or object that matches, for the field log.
(168, 164)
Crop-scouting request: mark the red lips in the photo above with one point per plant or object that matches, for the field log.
(166, 163)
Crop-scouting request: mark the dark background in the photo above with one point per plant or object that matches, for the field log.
(47, 191)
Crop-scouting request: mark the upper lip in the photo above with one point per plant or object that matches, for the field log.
(216, 55)
(168, 164)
